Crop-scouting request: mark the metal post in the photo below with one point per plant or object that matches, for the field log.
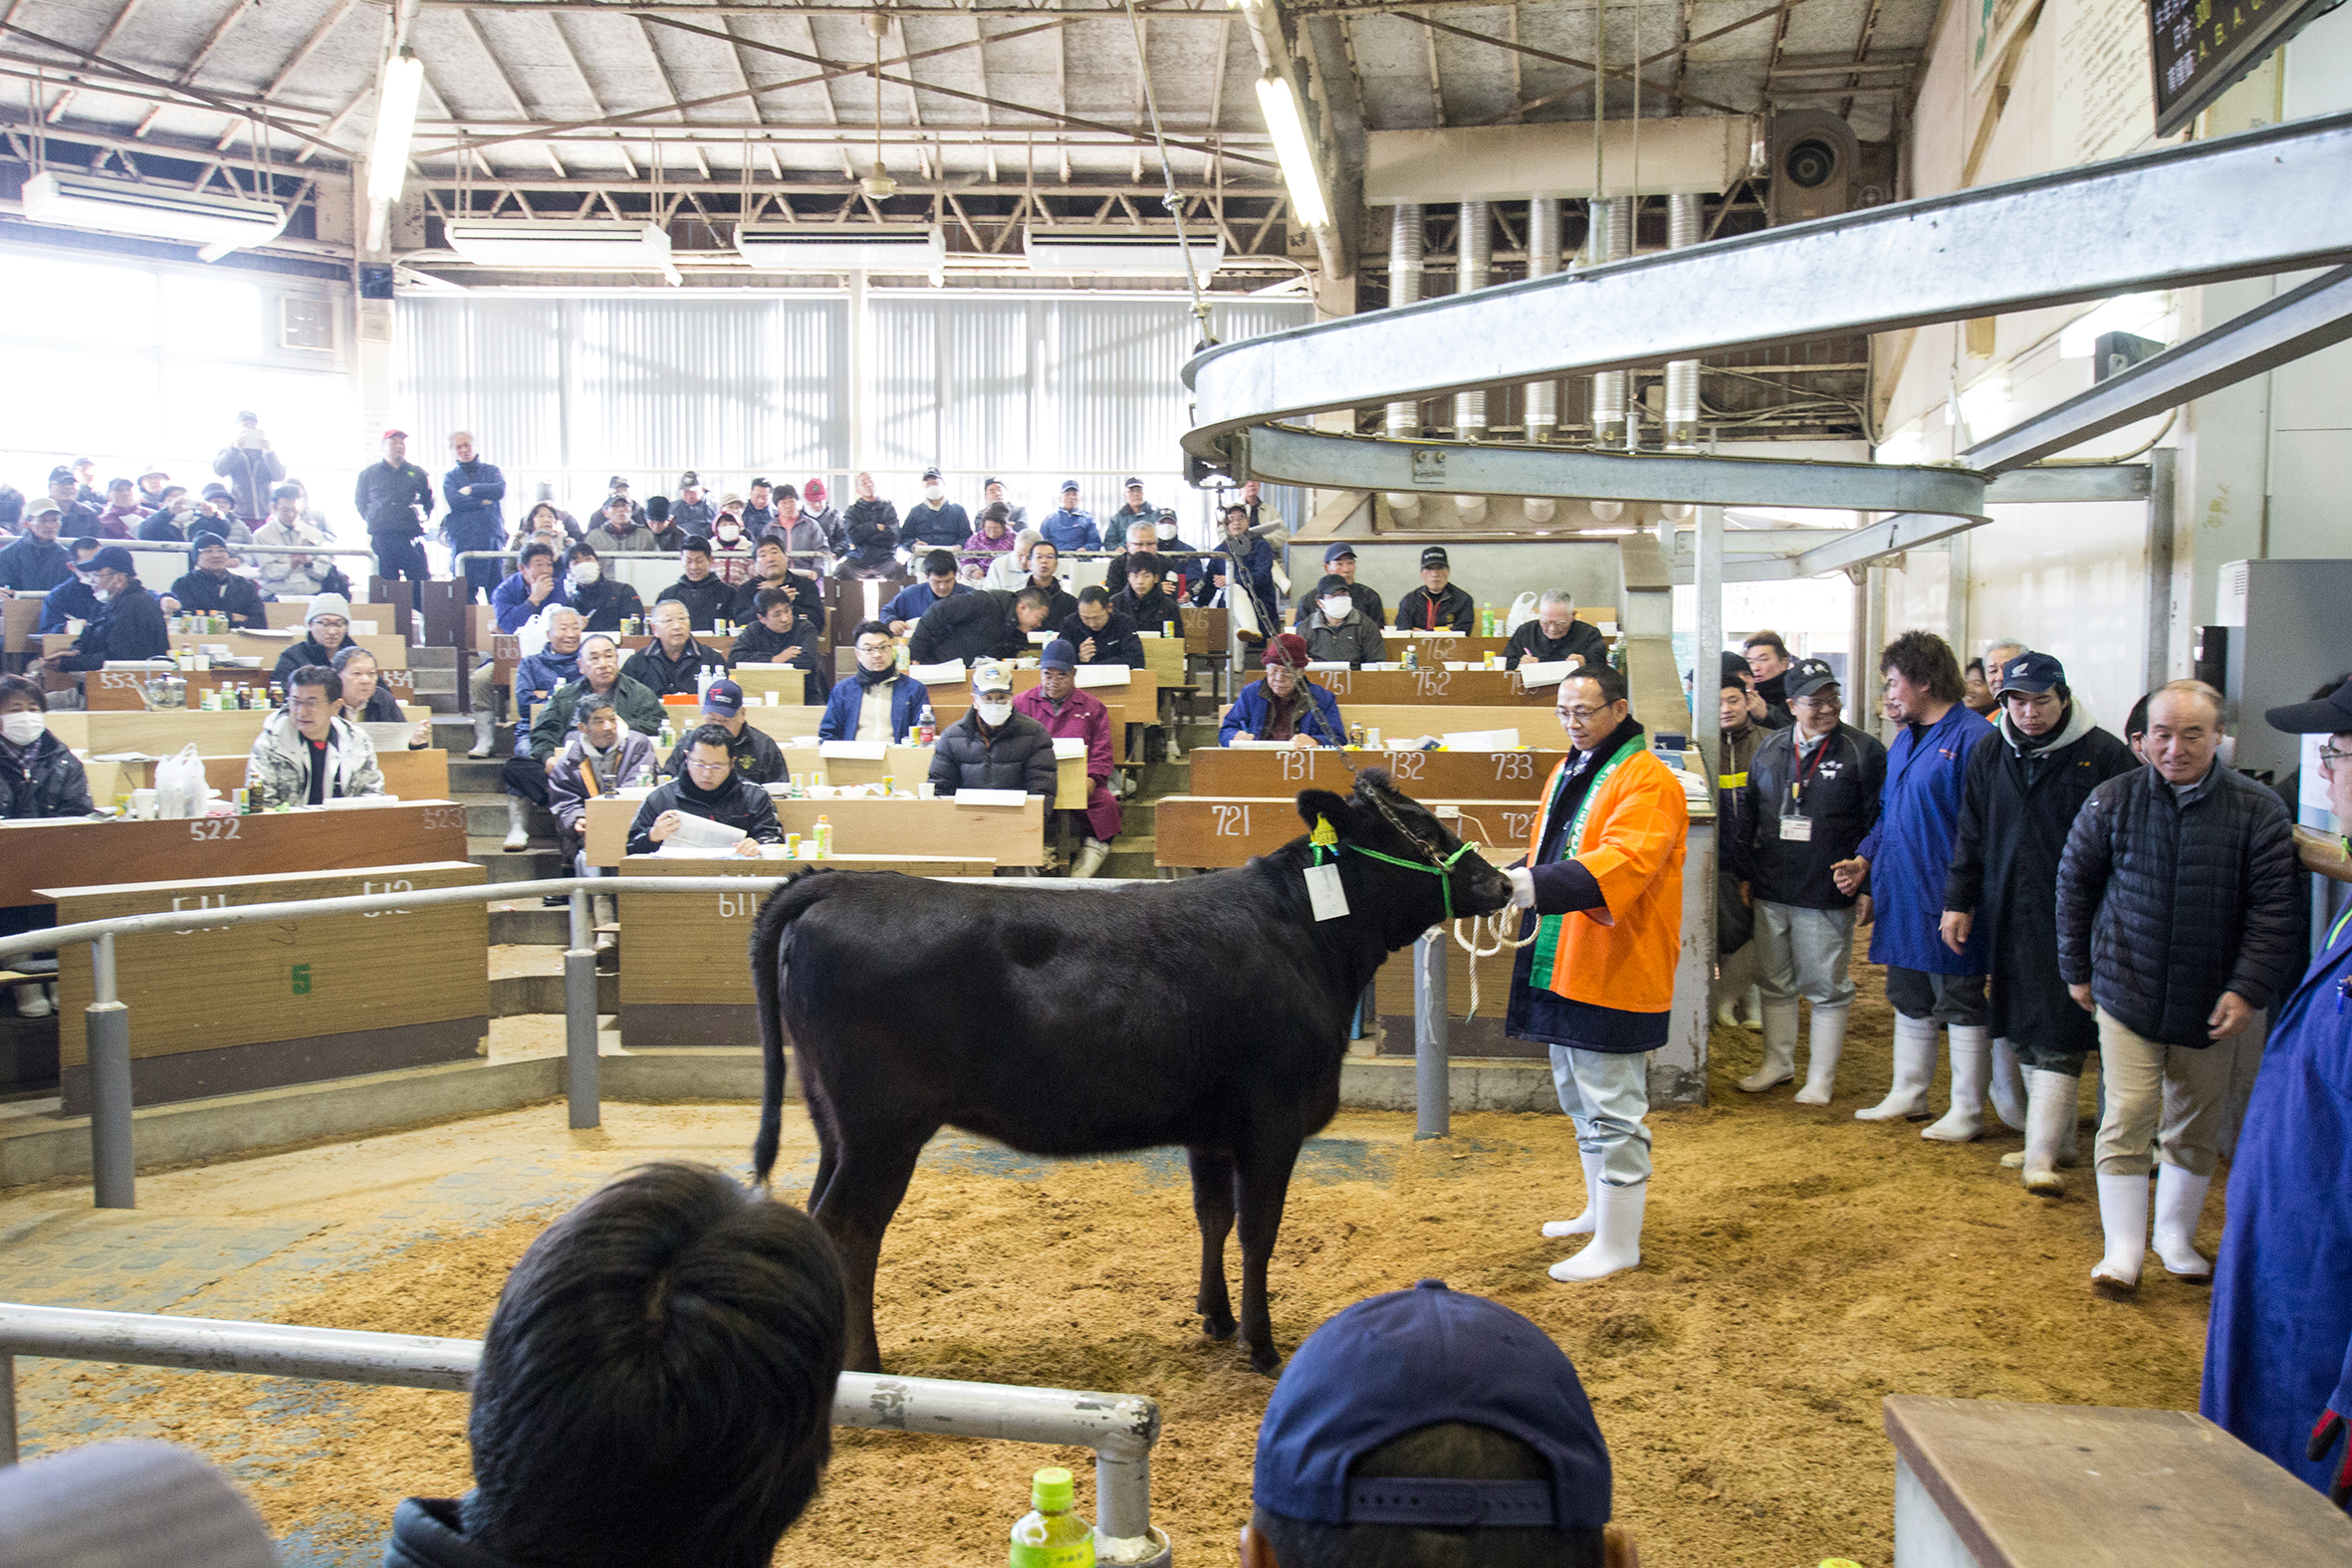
(1544, 238)
(1433, 1100)
(114, 1162)
(1707, 580)
(580, 1016)
(1122, 1496)
(1403, 418)
(7, 1409)
(1683, 215)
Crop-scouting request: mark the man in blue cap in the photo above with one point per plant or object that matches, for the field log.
(2278, 1346)
(1066, 527)
(1429, 1427)
(1339, 561)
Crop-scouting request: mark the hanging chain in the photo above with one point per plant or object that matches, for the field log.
(1168, 196)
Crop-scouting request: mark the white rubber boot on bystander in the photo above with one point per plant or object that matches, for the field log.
(2007, 1086)
(2180, 1199)
(1779, 1048)
(1972, 1064)
(2050, 1111)
(2123, 1214)
(1616, 1238)
(1829, 1044)
(1583, 1223)
(1915, 1065)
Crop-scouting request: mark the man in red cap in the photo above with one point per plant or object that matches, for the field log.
(395, 498)
(1285, 704)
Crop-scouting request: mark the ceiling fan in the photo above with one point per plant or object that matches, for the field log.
(877, 183)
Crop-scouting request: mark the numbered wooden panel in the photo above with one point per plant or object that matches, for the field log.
(923, 829)
(1211, 834)
(1425, 775)
(60, 853)
(1453, 688)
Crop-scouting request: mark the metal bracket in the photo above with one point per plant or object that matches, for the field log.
(1429, 465)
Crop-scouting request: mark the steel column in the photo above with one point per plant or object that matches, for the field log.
(1433, 1095)
(1706, 579)
(114, 1160)
(581, 1088)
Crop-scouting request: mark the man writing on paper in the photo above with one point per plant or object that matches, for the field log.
(1603, 878)
(1057, 703)
(710, 788)
(1556, 634)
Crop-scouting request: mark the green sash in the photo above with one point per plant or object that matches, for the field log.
(1548, 926)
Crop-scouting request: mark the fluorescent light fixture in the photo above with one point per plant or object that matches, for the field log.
(1119, 255)
(562, 244)
(219, 224)
(396, 90)
(840, 248)
(2131, 313)
(1290, 146)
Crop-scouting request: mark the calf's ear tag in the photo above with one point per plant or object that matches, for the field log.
(1324, 895)
(1324, 835)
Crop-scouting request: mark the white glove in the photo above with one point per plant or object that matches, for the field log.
(1522, 887)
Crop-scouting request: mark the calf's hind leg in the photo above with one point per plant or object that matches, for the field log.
(870, 1172)
(1263, 1185)
(1213, 1206)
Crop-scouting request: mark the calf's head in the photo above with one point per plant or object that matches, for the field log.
(1413, 866)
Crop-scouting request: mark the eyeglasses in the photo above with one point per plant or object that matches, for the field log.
(1580, 715)
(2329, 757)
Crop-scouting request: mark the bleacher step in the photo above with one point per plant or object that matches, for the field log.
(530, 926)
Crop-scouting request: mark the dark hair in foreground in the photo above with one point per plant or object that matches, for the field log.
(1453, 1451)
(317, 675)
(19, 687)
(656, 1387)
(1611, 683)
(1924, 660)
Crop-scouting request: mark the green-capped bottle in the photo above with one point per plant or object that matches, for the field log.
(1052, 1536)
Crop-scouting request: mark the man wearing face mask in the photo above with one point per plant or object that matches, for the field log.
(733, 542)
(74, 598)
(39, 774)
(603, 603)
(935, 523)
(1339, 561)
(869, 530)
(992, 747)
(1337, 632)
(1067, 528)
(876, 703)
(130, 622)
(526, 776)
(1556, 634)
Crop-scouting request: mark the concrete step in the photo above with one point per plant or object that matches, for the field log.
(423, 658)
(541, 861)
(531, 926)
(1157, 779)
(485, 818)
(470, 775)
(520, 993)
(432, 680)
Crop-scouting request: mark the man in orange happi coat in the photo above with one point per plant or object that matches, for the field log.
(1603, 882)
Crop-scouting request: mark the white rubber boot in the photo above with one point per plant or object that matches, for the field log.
(1583, 1223)
(1780, 1049)
(518, 823)
(1751, 1008)
(1616, 1240)
(2050, 1110)
(485, 724)
(604, 911)
(2123, 1214)
(1091, 857)
(1829, 1044)
(2069, 1146)
(2007, 1086)
(2180, 1199)
(35, 1002)
(1971, 1063)
(1915, 1065)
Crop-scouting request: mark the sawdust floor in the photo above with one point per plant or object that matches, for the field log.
(1798, 1266)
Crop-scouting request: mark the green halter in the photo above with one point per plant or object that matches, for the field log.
(1443, 870)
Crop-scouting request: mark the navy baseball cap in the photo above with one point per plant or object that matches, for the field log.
(724, 698)
(2032, 672)
(1334, 552)
(1735, 671)
(1434, 556)
(2330, 714)
(1060, 654)
(1068, 485)
(208, 541)
(931, 473)
(115, 558)
(1411, 1359)
(1808, 676)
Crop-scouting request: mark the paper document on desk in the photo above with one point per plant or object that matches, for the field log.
(671, 850)
(1012, 797)
(1102, 675)
(1327, 664)
(388, 735)
(700, 833)
(854, 751)
(1532, 676)
(947, 674)
(1069, 746)
(1480, 741)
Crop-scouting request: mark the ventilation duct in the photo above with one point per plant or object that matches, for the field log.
(842, 249)
(1404, 287)
(1683, 213)
(1612, 240)
(1079, 252)
(1474, 255)
(1542, 262)
(219, 224)
(562, 245)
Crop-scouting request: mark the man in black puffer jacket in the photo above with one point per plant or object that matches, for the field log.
(2179, 918)
(994, 747)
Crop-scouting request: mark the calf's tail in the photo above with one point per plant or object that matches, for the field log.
(769, 934)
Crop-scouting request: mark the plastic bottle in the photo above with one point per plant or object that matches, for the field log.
(1052, 1534)
(901, 656)
(824, 839)
(926, 727)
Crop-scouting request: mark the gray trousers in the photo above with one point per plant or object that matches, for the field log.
(1806, 953)
(1607, 1094)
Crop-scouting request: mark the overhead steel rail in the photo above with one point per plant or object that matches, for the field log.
(2263, 202)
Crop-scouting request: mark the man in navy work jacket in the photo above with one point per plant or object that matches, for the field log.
(472, 491)
(2278, 1347)
(1906, 857)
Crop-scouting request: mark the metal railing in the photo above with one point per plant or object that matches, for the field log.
(106, 1021)
(1121, 1429)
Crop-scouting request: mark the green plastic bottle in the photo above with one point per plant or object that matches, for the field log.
(1052, 1536)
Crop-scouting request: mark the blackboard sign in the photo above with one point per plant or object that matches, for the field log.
(2201, 47)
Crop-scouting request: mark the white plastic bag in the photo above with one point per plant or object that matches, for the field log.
(1523, 610)
(531, 636)
(181, 786)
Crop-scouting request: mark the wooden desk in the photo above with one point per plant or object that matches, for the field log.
(783, 721)
(158, 734)
(1430, 687)
(789, 682)
(1204, 631)
(106, 691)
(930, 829)
(1137, 702)
(22, 618)
(2005, 1485)
(684, 979)
(1590, 614)
(1538, 725)
(1201, 833)
(36, 854)
(722, 647)
(225, 1010)
(1425, 775)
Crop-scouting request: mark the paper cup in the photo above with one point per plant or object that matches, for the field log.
(927, 791)
(142, 804)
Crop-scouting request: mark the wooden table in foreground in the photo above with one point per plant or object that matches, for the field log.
(684, 980)
(69, 853)
(225, 1010)
(923, 829)
(1984, 1484)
